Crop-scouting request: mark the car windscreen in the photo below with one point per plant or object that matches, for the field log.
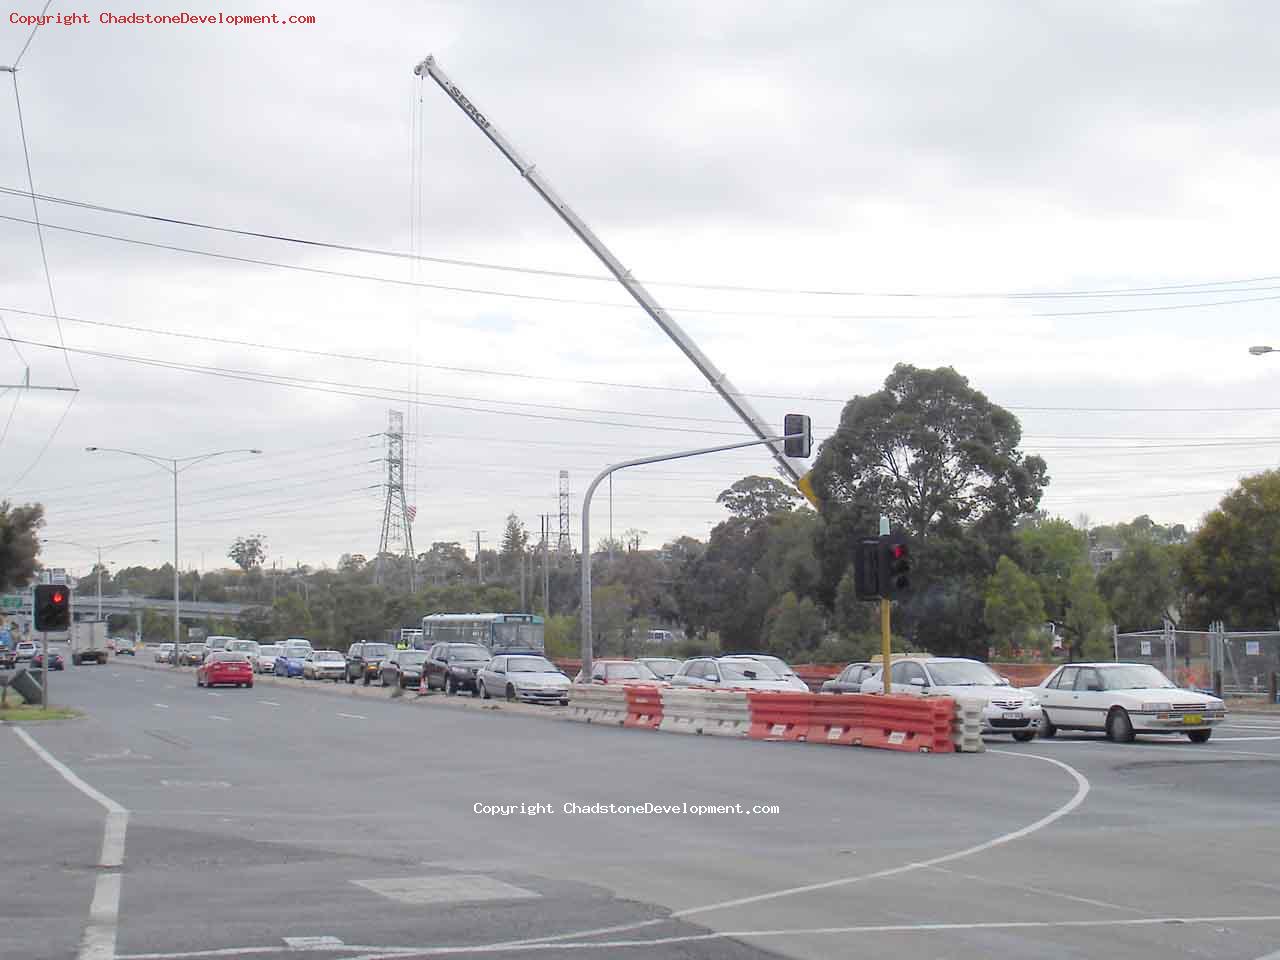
(467, 651)
(663, 667)
(376, 650)
(778, 666)
(329, 655)
(530, 665)
(963, 673)
(1134, 676)
(412, 659)
(296, 652)
(747, 670)
(271, 650)
(629, 671)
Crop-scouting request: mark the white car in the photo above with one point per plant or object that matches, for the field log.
(734, 673)
(164, 653)
(324, 665)
(1005, 708)
(265, 661)
(1124, 699)
(249, 648)
(25, 651)
(780, 667)
(523, 677)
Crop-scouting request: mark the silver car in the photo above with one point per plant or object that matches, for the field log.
(324, 665)
(523, 677)
(265, 661)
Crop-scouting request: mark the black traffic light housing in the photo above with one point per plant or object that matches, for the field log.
(866, 569)
(798, 431)
(52, 607)
(895, 565)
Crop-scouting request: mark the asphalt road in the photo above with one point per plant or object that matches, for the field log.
(286, 811)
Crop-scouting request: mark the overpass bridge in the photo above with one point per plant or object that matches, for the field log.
(86, 605)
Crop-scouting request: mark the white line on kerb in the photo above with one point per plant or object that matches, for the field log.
(353, 716)
(99, 940)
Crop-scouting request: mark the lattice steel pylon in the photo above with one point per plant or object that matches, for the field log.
(397, 515)
(564, 547)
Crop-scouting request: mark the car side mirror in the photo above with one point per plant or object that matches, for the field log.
(917, 682)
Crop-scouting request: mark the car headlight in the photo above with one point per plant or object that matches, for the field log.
(1031, 703)
(1157, 707)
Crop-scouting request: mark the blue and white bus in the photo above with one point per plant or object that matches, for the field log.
(500, 632)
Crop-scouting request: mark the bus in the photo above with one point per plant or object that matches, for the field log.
(500, 632)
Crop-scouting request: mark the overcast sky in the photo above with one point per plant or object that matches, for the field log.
(932, 162)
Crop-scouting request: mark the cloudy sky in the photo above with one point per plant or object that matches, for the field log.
(1073, 204)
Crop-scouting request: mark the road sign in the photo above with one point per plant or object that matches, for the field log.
(12, 601)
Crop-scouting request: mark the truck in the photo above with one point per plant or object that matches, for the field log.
(89, 641)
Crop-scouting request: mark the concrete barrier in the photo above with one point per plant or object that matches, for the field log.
(598, 703)
(966, 725)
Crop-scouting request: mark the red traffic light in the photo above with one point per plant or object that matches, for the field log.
(898, 550)
(58, 597)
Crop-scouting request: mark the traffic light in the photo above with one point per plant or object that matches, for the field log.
(895, 565)
(866, 569)
(799, 435)
(52, 607)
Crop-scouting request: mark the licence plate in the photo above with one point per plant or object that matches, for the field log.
(1012, 715)
(1193, 718)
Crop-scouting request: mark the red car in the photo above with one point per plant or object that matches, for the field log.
(228, 668)
(619, 671)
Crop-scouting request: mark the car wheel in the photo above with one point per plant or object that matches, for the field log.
(1199, 736)
(450, 688)
(1119, 726)
(350, 678)
(511, 693)
(198, 681)
(249, 685)
(1023, 736)
(484, 693)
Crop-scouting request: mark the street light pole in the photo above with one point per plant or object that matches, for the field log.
(99, 548)
(174, 465)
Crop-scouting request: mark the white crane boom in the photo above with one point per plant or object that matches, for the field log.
(793, 470)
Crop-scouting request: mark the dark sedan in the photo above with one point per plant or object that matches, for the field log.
(453, 666)
(55, 662)
(849, 680)
(364, 660)
(403, 668)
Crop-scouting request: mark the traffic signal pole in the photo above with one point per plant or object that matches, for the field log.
(886, 631)
(44, 669)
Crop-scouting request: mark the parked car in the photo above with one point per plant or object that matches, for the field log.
(849, 680)
(290, 658)
(218, 642)
(403, 668)
(266, 659)
(191, 654)
(24, 652)
(55, 661)
(618, 671)
(730, 673)
(664, 668)
(365, 659)
(1006, 709)
(125, 646)
(453, 666)
(780, 667)
(524, 677)
(223, 667)
(249, 648)
(1123, 700)
(324, 665)
(164, 653)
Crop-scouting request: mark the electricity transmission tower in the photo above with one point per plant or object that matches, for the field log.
(564, 547)
(397, 515)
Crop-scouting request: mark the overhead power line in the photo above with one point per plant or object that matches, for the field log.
(619, 305)
(413, 255)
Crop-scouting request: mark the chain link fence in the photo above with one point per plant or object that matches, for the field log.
(1246, 659)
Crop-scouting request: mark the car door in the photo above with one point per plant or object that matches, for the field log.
(497, 686)
(911, 677)
(1055, 697)
(1091, 701)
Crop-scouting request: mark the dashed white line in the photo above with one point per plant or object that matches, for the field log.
(353, 716)
(162, 706)
(269, 703)
(99, 940)
(214, 716)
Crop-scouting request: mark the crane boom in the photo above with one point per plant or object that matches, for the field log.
(793, 470)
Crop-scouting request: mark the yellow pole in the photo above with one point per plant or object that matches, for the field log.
(885, 645)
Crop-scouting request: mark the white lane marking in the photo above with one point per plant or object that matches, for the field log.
(996, 881)
(214, 716)
(312, 943)
(137, 680)
(214, 693)
(395, 953)
(162, 706)
(99, 939)
(353, 716)
(445, 888)
(1082, 791)
(1271, 956)
(269, 703)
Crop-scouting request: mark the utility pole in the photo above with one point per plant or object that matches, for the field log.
(546, 575)
(523, 559)
(479, 559)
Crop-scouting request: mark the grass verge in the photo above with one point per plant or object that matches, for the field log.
(25, 713)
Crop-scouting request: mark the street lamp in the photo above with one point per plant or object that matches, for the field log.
(1259, 351)
(114, 546)
(174, 465)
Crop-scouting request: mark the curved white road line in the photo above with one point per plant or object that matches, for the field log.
(99, 940)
